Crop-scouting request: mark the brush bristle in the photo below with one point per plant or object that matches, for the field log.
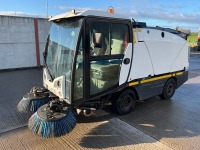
(49, 129)
(26, 105)
(35, 104)
(23, 105)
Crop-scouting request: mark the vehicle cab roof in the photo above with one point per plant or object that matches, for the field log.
(87, 13)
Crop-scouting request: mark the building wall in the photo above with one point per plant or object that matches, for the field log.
(17, 41)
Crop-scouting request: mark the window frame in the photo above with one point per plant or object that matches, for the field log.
(110, 22)
(88, 58)
(81, 36)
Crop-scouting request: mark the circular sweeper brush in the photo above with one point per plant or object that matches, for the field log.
(33, 100)
(52, 120)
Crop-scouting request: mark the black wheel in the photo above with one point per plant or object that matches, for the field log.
(125, 102)
(169, 89)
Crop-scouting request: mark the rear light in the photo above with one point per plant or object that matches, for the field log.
(199, 38)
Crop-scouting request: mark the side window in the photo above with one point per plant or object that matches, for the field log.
(104, 74)
(102, 28)
(114, 38)
(119, 38)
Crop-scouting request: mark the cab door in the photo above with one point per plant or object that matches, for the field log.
(103, 61)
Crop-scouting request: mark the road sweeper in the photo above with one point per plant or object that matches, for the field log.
(93, 58)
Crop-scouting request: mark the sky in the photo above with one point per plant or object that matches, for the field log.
(164, 13)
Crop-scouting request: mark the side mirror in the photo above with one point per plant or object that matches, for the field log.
(97, 40)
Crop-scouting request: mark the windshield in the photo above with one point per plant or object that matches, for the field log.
(61, 46)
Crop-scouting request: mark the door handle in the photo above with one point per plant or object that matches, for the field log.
(126, 61)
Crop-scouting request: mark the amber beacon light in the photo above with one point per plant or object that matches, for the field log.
(110, 10)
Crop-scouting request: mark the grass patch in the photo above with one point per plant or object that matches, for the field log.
(192, 39)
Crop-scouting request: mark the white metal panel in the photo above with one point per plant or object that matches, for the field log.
(57, 86)
(182, 60)
(46, 77)
(141, 64)
(141, 34)
(145, 34)
(125, 67)
(163, 50)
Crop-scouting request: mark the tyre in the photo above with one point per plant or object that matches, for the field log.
(169, 89)
(125, 102)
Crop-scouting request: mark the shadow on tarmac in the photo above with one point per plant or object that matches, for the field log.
(175, 118)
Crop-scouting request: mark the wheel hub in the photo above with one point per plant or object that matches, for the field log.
(126, 102)
(170, 89)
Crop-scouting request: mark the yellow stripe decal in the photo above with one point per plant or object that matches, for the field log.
(137, 30)
(179, 73)
(133, 83)
(155, 78)
(134, 36)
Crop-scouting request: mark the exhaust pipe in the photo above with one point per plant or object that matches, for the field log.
(89, 112)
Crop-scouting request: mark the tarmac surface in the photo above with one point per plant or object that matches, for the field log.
(153, 124)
